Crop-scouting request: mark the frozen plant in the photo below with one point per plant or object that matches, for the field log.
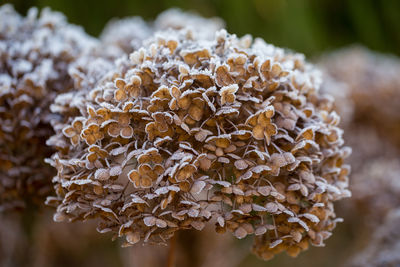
(191, 130)
(35, 54)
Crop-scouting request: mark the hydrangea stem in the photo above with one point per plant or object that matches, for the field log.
(172, 251)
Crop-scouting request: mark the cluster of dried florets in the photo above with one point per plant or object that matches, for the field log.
(35, 53)
(189, 130)
(373, 86)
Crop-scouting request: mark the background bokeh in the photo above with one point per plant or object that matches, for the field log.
(312, 27)
(307, 26)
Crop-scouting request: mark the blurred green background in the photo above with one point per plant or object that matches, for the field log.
(307, 26)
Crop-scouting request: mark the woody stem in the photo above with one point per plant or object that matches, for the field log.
(171, 251)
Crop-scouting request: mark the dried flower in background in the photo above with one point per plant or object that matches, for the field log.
(191, 130)
(375, 183)
(372, 89)
(376, 188)
(123, 36)
(384, 247)
(35, 54)
(374, 86)
(202, 28)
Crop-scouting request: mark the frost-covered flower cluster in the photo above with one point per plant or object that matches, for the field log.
(35, 54)
(190, 130)
(169, 125)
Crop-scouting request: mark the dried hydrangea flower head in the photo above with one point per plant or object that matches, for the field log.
(374, 87)
(127, 35)
(35, 53)
(192, 130)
